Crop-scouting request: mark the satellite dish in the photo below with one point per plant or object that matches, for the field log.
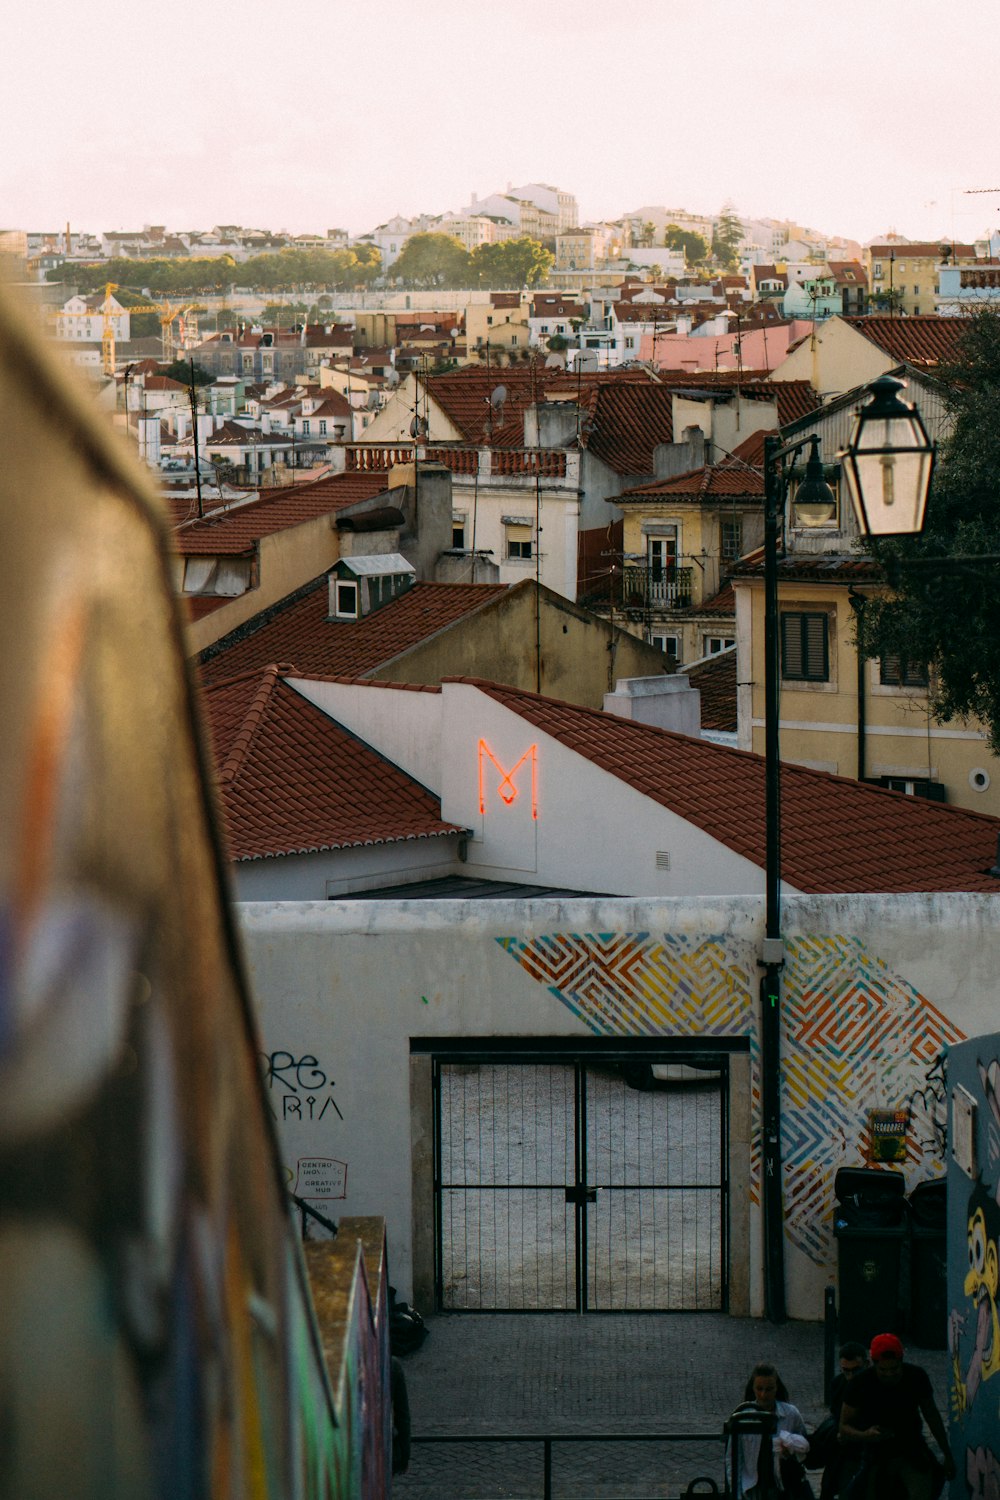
(392, 380)
(498, 396)
(453, 333)
(418, 427)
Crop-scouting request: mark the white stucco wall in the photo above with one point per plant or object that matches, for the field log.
(874, 989)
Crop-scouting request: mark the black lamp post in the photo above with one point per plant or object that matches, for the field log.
(888, 463)
(815, 504)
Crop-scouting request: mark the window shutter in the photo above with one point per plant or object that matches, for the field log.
(805, 647)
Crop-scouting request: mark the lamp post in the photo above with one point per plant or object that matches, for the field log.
(888, 462)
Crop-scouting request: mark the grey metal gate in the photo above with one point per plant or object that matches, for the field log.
(558, 1184)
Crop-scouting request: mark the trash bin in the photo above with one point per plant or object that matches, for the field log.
(871, 1232)
(929, 1264)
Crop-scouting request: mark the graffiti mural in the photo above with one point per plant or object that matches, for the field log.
(856, 1036)
(971, 1073)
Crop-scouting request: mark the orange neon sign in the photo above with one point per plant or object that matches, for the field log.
(507, 790)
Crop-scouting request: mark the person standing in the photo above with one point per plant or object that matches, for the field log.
(882, 1411)
(771, 1467)
(839, 1459)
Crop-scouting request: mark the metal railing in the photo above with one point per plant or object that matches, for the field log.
(645, 588)
(549, 1439)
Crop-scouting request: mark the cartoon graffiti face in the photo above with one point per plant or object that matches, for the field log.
(982, 1277)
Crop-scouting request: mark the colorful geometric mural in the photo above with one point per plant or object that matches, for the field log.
(855, 1037)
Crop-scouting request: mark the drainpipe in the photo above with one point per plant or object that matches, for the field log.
(858, 605)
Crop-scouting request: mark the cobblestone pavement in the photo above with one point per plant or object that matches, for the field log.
(603, 1373)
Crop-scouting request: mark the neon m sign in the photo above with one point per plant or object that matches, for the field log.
(507, 790)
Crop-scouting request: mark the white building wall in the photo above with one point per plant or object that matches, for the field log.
(338, 872)
(874, 989)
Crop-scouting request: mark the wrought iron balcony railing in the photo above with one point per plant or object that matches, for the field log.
(656, 588)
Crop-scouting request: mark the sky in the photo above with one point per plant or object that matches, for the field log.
(854, 119)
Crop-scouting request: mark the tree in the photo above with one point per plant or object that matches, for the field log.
(727, 237)
(432, 260)
(941, 612)
(180, 369)
(510, 263)
(694, 245)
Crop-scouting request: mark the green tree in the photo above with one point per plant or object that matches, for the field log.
(694, 245)
(432, 260)
(941, 612)
(180, 369)
(518, 263)
(727, 237)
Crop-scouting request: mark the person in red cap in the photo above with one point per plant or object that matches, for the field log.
(883, 1412)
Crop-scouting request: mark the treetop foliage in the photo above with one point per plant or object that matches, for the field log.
(288, 270)
(442, 260)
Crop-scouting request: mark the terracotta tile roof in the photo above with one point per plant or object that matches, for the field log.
(628, 420)
(234, 531)
(735, 476)
(923, 250)
(715, 679)
(162, 383)
(817, 567)
(231, 434)
(722, 603)
(923, 341)
(837, 834)
(293, 781)
(299, 631)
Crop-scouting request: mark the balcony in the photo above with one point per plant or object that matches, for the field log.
(656, 588)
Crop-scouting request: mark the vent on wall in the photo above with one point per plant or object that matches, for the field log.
(663, 859)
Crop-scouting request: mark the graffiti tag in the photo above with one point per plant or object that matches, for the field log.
(303, 1084)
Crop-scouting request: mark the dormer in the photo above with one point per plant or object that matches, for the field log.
(361, 585)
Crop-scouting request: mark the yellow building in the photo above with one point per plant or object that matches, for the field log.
(861, 718)
(502, 322)
(681, 538)
(907, 274)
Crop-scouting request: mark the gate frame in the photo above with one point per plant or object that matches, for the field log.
(732, 1054)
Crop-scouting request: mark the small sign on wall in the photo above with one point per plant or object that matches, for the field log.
(887, 1131)
(321, 1177)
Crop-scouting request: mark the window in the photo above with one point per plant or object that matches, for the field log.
(661, 552)
(914, 786)
(730, 540)
(670, 645)
(489, 319)
(894, 671)
(458, 531)
(347, 601)
(713, 644)
(519, 543)
(805, 647)
(545, 327)
(917, 308)
(877, 268)
(306, 427)
(629, 342)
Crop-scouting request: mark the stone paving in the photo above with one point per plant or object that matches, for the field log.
(537, 1373)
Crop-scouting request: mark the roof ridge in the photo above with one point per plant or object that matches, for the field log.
(253, 718)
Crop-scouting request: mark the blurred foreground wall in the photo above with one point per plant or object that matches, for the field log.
(157, 1334)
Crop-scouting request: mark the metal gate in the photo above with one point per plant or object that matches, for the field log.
(559, 1184)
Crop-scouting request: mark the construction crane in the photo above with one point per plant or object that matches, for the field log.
(108, 315)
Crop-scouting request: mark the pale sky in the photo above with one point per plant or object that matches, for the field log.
(852, 118)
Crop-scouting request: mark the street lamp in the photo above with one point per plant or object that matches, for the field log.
(888, 462)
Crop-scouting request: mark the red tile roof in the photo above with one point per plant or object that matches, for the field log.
(299, 631)
(817, 567)
(916, 340)
(627, 421)
(837, 834)
(924, 250)
(715, 679)
(234, 532)
(293, 781)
